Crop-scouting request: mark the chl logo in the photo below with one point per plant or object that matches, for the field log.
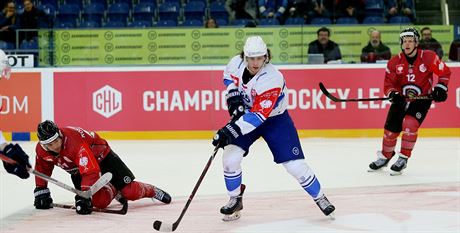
(107, 101)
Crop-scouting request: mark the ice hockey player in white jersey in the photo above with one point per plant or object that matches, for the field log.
(13, 151)
(257, 103)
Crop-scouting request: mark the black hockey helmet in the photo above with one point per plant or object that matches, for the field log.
(47, 132)
(409, 32)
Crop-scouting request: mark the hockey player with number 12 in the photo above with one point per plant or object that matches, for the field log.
(257, 101)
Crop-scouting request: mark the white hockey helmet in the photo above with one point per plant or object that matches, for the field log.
(5, 68)
(255, 47)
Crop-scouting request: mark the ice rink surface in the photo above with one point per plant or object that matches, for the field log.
(426, 198)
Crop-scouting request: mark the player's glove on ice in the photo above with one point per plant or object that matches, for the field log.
(226, 135)
(43, 198)
(235, 103)
(396, 97)
(440, 93)
(83, 205)
(16, 153)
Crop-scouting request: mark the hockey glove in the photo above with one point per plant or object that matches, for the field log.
(440, 93)
(16, 153)
(83, 205)
(235, 103)
(226, 135)
(43, 198)
(396, 98)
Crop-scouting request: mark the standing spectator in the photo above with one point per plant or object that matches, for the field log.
(375, 49)
(8, 23)
(350, 8)
(29, 19)
(328, 48)
(429, 43)
(241, 9)
(454, 51)
(400, 7)
(211, 23)
(273, 9)
(320, 8)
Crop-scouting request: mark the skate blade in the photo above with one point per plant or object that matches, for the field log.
(377, 170)
(395, 173)
(332, 216)
(231, 217)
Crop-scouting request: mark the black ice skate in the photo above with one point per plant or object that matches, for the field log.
(399, 165)
(381, 162)
(161, 195)
(231, 211)
(325, 206)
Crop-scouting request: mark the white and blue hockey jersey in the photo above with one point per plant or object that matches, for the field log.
(264, 95)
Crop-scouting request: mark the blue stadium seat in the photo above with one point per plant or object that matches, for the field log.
(118, 12)
(102, 2)
(270, 21)
(374, 8)
(115, 24)
(239, 22)
(143, 12)
(373, 20)
(29, 45)
(294, 21)
(399, 20)
(129, 2)
(166, 23)
(93, 12)
(192, 23)
(195, 10)
(347, 20)
(217, 10)
(90, 24)
(65, 24)
(169, 11)
(6, 45)
(321, 21)
(140, 24)
(48, 9)
(54, 3)
(68, 13)
(222, 22)
(79, 3)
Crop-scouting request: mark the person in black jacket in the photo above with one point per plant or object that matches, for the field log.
(324, 45)
(375, 49)
(29, 19)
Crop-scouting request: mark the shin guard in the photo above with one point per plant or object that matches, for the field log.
(137, 190)
(389, 143)
(409, 135)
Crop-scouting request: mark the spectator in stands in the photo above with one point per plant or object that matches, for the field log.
(273, 9)
(211, 23)
(351, 8)
(323, 45)
(299, 8)
(429, 43)
(8, 23)
(400, 7)
(375, 49)
(241, 9)
(320, 8)
(454, 51)
(29, 19)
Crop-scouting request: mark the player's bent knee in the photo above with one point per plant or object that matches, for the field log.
(102, 198)
(232, 157)
(410, 124)
(298, 169)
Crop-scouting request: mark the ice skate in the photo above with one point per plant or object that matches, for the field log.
(325, 206)
(231, 211)
(399, 165)
(381, 162)
(161, 195)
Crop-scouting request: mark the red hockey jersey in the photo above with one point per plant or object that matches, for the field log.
(81, 153)
(415, 79)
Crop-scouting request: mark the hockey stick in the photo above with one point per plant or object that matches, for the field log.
(335, 99)
(159, 225)
(103, 180)
(121, 211)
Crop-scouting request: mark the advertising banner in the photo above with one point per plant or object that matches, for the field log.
(194, 100)
(289, 45)
(20, 98)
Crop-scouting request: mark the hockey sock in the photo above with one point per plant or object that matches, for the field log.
(305, 176)
(233, 182)
(409, 135)
(102, 198)
(231, 159)
(137, 190)
(389, 143)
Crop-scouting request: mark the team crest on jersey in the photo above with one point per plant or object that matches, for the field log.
(422, 68)
(266, 104)
(399, 68)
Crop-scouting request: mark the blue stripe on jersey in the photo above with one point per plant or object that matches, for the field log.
(253, 118)
(234, 182)
(227, 82)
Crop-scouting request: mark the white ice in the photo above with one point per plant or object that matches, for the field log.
(426, 198)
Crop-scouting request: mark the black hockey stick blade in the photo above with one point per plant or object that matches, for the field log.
(121, 211)
(335, 99)
(164, 227)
